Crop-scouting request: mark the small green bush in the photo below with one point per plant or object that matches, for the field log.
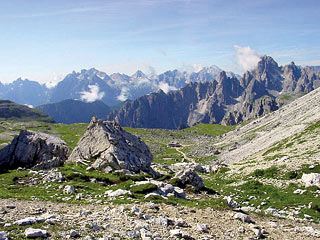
(144, 188)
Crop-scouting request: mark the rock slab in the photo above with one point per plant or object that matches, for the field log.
(110, 146)
(34, 150)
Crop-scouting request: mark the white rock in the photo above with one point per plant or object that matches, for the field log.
(180, 222)
(145, 234)
(232, 203)
(117, 193)
(161, 221)
(202, 227)
(299, 191)
(29, 221)
(241, 229)
(68, 189)
(35, 233)
(175, 233)
(73, 233)
(4, 235)
(257, 231)
(311, 179)
(179, 192)
(243, 217)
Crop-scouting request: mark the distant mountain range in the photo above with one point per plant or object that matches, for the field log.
(75, 111)
(226, 100)
(12, 111)
(91, 85)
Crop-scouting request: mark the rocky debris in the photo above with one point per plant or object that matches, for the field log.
(53, 176)
(34, 150)
(4, 235)
(68, 189)
(113, 148)
(193, 166)
(311, 179)
(35, 233)
(126, 221)
(163, 189)
(188, 176)
(243, 217)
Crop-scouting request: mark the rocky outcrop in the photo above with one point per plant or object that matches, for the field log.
(109, 147)
(34, 150)
(225, 100)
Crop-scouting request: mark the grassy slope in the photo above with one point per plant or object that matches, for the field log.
(12, 111)
(243, 188)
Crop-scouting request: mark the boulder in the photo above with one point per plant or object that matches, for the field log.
(34, 150)
(311, 179)
(109, 145)
(35, 233)
(188, 176)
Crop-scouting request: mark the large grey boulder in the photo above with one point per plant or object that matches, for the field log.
(110, 147)
(34, 149)
(188, 176)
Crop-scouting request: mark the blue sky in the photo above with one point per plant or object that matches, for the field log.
(43, 40)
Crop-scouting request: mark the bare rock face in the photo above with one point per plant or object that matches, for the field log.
(112, 148)
(34, 149)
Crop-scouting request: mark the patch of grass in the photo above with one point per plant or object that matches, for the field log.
(271, 172)
(210, 129)
(144, 188)
(168, 156)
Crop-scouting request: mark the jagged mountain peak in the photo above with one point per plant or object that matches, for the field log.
(139, 74)
(266, 63)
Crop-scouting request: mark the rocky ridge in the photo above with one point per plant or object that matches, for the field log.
(226, 100)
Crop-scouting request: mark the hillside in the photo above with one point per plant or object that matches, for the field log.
(225, 100)
(12, 111)
(75, 111)
(254, 168)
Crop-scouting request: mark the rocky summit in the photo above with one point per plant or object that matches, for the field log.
(110, 148)
(34, 149)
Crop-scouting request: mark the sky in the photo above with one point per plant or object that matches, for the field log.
(43, 40)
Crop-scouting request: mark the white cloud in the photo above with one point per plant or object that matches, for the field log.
(165, 87)
(28, 105)
(247, 58)
(93, 95)
(190, 68)
(124, 95)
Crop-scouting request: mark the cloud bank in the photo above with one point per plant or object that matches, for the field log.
(124, 95)
(247, 58)
(92, 95)
(165, 87)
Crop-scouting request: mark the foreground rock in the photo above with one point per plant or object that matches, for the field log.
(34, 150)
(112, 148)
